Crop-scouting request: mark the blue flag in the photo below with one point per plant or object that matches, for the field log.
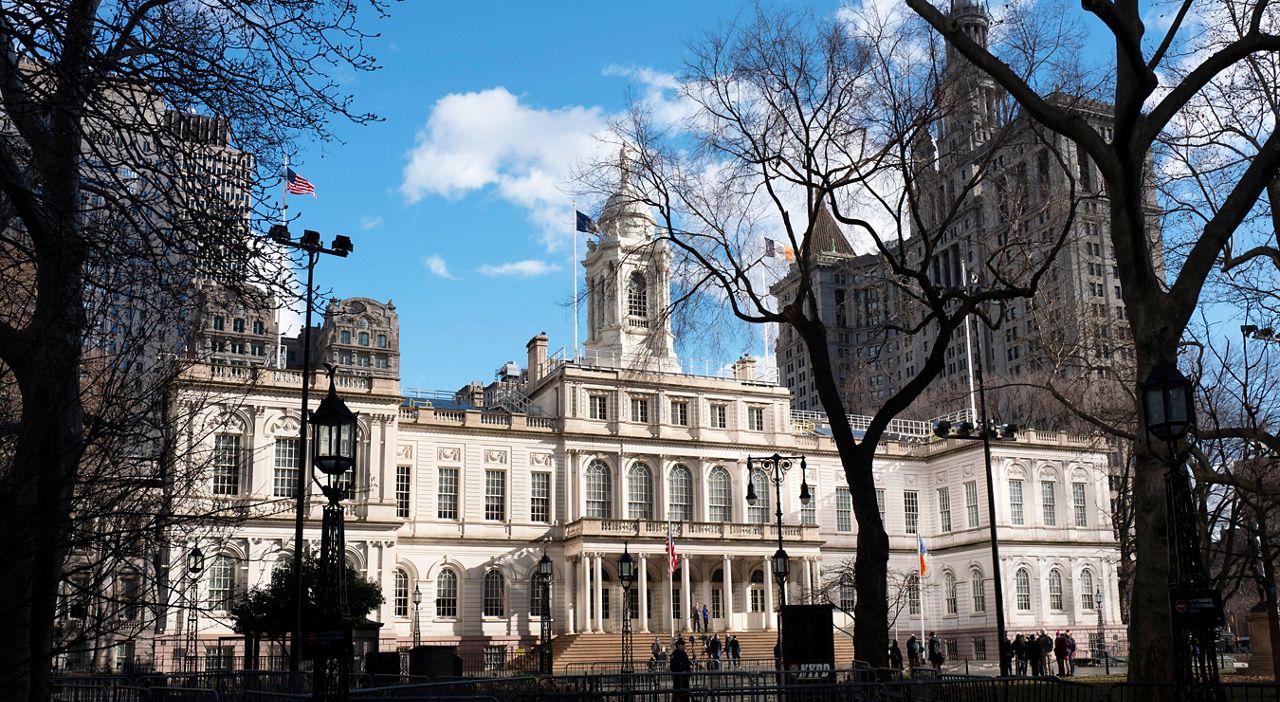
(586, 224)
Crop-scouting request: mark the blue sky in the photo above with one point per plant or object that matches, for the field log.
(453, 201)
(503, 92)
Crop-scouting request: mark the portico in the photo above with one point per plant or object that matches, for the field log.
(725, 566)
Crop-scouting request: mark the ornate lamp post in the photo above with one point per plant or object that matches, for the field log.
(545, 573)
(1101, 651)
(775, 468)
(626, 576)
(417, 616)
(195, 566)
(1169, 414)
(334, 453)
(310, 244)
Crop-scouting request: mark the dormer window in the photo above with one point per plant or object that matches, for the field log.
(344, 337)
(364, 338)
(382, 341)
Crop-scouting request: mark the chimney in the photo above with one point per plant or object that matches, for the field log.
(744, 368)
(537, 348)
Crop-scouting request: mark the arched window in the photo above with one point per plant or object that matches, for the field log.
(494, 594)
(400, 597)
(759, 512)
(978, 585)
(681, 508)
(447, 594)
(637, 296)
(719, 496)
(222, 582)
(949, 592)
(1055, 590)
(1022, 583)
(1087, 600)
(599, 491)
(639, 492)
(847, 595)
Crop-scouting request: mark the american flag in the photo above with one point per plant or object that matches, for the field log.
(672, 561)
(295, 184)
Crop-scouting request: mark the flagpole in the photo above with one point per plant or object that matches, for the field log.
(573, 273)
(968, 353)
(284, 221)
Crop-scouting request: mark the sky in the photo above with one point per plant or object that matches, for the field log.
(458, 200)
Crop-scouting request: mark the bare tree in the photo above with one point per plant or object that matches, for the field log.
(801, 129)
(130, 132)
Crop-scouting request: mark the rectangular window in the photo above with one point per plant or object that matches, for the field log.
(495, 495)
(844, 510)
(640, 409)
(809, 512)
(286, 476)
(913, 595)
(755, 418)
(944, 509)
(951, 647)
(495, 659)
(971, 503)
(1015, 502)
(911, 510)
(880, 503)
(447, 494)
(227, 459)
(1048, 503)
(1078, 504)
(680, 413)
(540, 498)
(719, 416)
(599, 406)
(757, 599)
(402, 492)
(980, 649)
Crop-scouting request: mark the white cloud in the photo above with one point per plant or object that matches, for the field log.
(661, 93)
(437, 266)
(490, 139)
(519, 269)
(368, 222)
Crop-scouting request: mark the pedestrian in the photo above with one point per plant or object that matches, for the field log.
(1006, 655)
(1046, 650)
(913, 651)
(895, 656)
(657, 646)
(936, 658)
(1071, 653)
(697, 607)
(715, 648)
(735, 651)
(681, 666)
(1060, 653)
(1020, 655)
(706, 619)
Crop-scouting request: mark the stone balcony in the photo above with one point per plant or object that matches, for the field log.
(689, 531)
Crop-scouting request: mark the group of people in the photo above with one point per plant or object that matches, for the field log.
(918, 653)
(719, 653)
(700, 618)
(1036, 651)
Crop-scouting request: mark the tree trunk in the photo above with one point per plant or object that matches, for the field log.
(871, 567)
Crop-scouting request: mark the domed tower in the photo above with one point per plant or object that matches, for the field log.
(628, 285)
(970, 100)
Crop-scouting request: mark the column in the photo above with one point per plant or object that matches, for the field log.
(644, 595)
(808, 575)
(768, 594)
(683, 624)
(727, 597)
(584, 594)
(598, 594)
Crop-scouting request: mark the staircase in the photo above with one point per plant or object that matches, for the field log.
(582, 650)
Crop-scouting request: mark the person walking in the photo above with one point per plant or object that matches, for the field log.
(936, 659)
(913, 651)
(1020, 655)
(706, 620)
(697, 608)
(735, 651)
(681, 666)
(895, 656)
(1046, 649)
(714, 648)
(1060, 653)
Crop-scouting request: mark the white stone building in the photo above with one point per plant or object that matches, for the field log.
(459, 496)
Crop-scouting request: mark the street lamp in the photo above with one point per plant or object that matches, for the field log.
(626, 576)
(1101, 651)
(545, 573)
(334, 453)
(195, 566)
(775, 468)
(417, 617)
(309, 244)
(1168, 412)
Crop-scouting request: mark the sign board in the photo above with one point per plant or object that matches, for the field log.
(1196, 606)
(808, 643)
(331, 641)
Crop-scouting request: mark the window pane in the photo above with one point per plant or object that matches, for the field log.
(599, 491)
(400, 598)
(911, 510)
(971, 503)
(759, 512)
(286, 474)
(1087, 600)
(447, 594)
(494, 596)
(226, 464)
(1055, 590)
(447, 494)
(222, 583)
(720, 499)
(495, 495)
(944, 509)
(844, 510)
(540, 498)
(1015, 502)
(639, 492)
(1022, 581)
(1047, 500)
(1078, 504)
(979, 588)
(681, 494)
(402, 492)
